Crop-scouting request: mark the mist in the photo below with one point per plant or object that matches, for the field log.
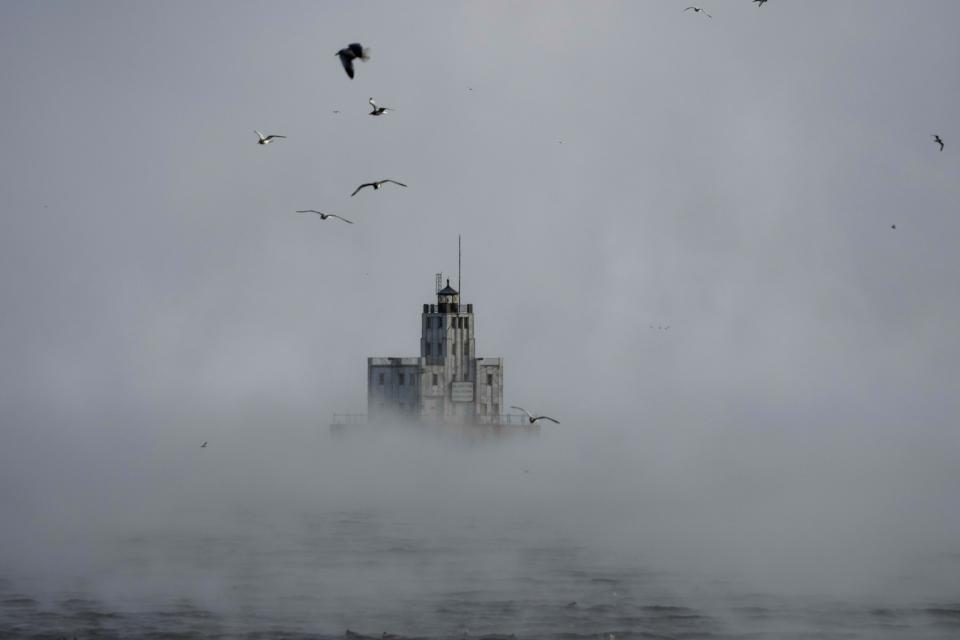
(280, 520)
(788, 444)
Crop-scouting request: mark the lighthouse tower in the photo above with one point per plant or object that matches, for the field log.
(447, 384)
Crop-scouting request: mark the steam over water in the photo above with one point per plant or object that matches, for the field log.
(277, 532)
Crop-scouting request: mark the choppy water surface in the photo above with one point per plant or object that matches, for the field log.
(378, 574)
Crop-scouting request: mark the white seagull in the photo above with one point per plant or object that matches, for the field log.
(376, 185)
(350, 53)
(698, 10)
(266, 139)
(533, 419)
(324, 216)
(377, 111)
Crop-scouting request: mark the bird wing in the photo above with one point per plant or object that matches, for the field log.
(347, 64)
(365, 184)
(260, 135)
(356, 49)
(310, 211)
(548, 418)
(272, 136)
(340, 217)
(372, 103)
(521, 409)
(394, 182)
(688, 8)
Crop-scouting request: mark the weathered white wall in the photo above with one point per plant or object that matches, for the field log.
(393, 387)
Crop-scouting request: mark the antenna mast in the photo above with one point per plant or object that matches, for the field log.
(439, 280)
(458, 266)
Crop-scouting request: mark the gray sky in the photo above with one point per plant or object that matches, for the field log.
(735, 178)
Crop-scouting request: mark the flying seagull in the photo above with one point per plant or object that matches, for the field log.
(351, 52)
(376, 185)
(760, 2)
(377, 111)
(698, 10)
(324, 216)
(937, 140)
(204, 445)
(266, 139)
(893, 226)
(533, 419)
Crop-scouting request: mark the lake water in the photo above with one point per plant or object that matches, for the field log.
(376, 573)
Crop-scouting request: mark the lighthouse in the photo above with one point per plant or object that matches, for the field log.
(447, 383)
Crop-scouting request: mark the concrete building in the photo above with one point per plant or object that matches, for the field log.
(448, 383)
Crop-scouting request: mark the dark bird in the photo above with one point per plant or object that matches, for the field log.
(893, 226)
(760, 3)
(266, 139)
(533, 419)
(324, 216)
(376, 185)
(378, 111)
(698, 10)
(572, 605)
(350, 53)
(204, 445)
(336, 110)
(937, 140)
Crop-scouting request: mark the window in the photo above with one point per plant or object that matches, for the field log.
(381, 378)
(401, 379)
(466, 323)
(435, 377)
(489, 379)
(428, 348)
(453, 348)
